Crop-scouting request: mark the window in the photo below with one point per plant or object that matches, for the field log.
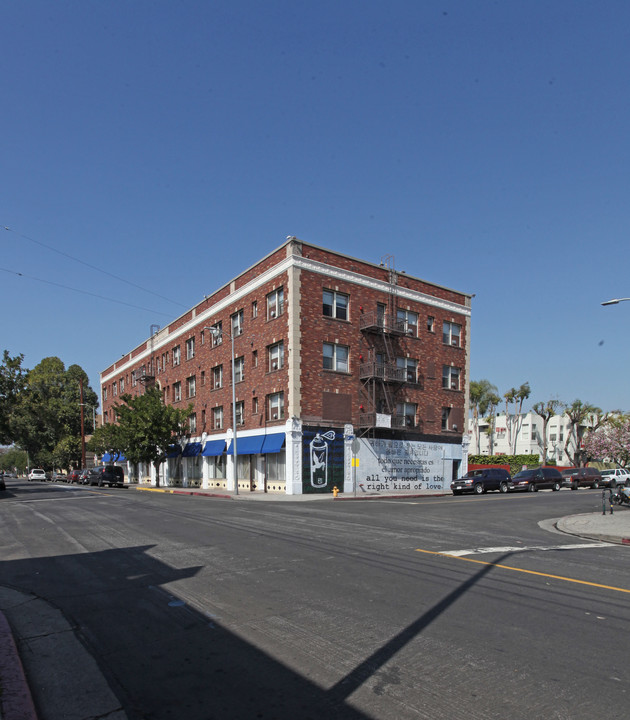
(190, 348)
(408, 321)
(114, 389)
(239, 369)
(431, 324)
(203, 378)
(446, 412)
(217, 376)
(237, 323)
(450, 377)
(275, 304)
(105, 389)
(335, 305)
(217, 418)
(276, 356)
(451, 334)
(217, 337)
(177, 392)
(409, 367)
(202, 335)
(275, 406)
(254, 309)
(240, 413)
(122, 385)
(191, 384)
(192, 423)
(177, 355)
(336, 357)
(408, 411)
(254, 358)
(255, 406)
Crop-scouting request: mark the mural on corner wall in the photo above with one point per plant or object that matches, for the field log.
(322, 459)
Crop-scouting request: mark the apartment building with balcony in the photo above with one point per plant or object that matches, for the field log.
(347, 373)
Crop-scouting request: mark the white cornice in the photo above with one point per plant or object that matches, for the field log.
(164, 338)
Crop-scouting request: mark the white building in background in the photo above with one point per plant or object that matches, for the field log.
(529, 439)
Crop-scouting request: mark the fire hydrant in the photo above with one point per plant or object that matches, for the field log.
(335, 491)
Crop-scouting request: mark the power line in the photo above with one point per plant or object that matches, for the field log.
(93, 267)
(83, 292)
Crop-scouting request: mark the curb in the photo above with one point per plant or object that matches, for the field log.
(16, 702)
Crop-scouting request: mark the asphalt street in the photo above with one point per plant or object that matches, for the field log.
(441, 607)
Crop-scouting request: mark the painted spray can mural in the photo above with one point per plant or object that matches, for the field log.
(322, 466)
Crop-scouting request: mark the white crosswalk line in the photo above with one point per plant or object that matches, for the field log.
(523, 548)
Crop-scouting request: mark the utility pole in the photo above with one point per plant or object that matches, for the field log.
(82, 426)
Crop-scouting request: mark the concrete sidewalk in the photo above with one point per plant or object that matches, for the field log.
(613, 528)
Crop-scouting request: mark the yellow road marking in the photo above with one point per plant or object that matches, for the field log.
(529, 572)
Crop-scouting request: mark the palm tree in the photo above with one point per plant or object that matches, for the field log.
(479, 393)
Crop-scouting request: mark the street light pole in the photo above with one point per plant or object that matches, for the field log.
(217, 333)
(615, 301)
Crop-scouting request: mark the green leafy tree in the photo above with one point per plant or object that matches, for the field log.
(546, 410)
(67, 452)
(14, 459)
(480, 393)
(581, 417)
(148, 427)
(108, 439)
(12, 382)
(48, 409)
(493, 399)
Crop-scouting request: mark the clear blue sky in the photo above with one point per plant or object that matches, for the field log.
(485, 145)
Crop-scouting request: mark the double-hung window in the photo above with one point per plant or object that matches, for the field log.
(177, 391)
(276, 356)
(335, 305)
(191, 384)
(275, 303)
(409, 366)
(237, 323)
(217, 334)
(275, 406)
(240, 414)
(239, 369)
(336, 357)
(451, 334)
(192, 422)
(217, 376)
(217, 418)
(190, 348)
(450, 377)
(177, 355)
(408, 321)
(408, 411)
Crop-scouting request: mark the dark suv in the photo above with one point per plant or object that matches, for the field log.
(106, 475)
(480, 481)
(537, 479)
(581, 477)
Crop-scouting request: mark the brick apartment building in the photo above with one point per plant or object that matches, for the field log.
(347, 374)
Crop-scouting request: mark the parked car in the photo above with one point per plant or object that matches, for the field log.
(615, 477)
(84, 476)
(73, 477)
(581, 477)
(106, 475)
(58, 477)
(481, 480)
(37, 474)
(537, 479)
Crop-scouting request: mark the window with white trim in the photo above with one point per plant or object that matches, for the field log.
(190, 348)
(177, 355)
(177, 391)
(276, 356)
(275, 303)
(217, 417)
(410, 368)
(239, 369)
(217, 377)
(408, 411)
(408, 320)
(275, 406)
(237, 323)
(451, 377)
(335, 304)
(336, 357)
(240, 413)
(191, 385)
(446, 414)
(451, 334)
(192, 423)
(217, 337)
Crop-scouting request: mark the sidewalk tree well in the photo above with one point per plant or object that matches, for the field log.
(148, 427)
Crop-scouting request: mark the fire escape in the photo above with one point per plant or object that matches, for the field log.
(381, 378)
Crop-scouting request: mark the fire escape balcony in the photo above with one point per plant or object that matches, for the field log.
(382, 371)
(375, 321)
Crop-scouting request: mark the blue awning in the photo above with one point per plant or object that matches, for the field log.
(173, 451)
(192, 449)
(247, 445)
(273, 443)
(213, 448)
(114, 457)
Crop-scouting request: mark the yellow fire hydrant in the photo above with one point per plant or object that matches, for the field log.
(335, 491)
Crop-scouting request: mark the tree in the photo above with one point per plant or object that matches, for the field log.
(48, 409)
(67, 452)
(580, 415)
(13, 459)
(12, 382)
(493, 399)
(514, 422)
(148, 427)
(479, 394)
(546, 410)
(107, 439)
(611, 440)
